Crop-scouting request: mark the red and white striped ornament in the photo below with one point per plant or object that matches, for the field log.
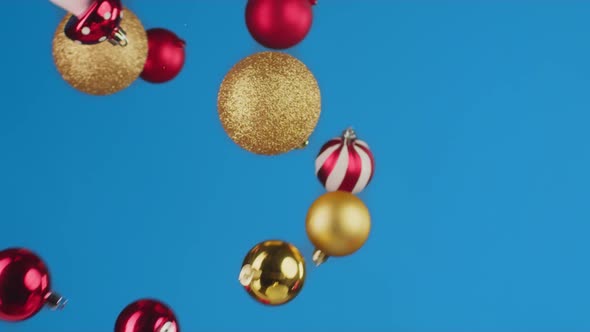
(345, 163)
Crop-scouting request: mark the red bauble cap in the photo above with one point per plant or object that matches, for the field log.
(166, 55)
(279, 24)
(99, 23)
(147, 315)
(24, 285)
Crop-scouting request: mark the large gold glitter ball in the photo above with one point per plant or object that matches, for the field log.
(101, 69)
(269, 103)
(273, 272)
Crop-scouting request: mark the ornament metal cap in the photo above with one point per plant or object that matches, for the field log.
(168, 327)
(119, 37)
(55, 301)
(349, 134)
(319, 257)
(248, 274)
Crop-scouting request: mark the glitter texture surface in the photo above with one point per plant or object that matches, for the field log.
(101, 69)
(269, 103)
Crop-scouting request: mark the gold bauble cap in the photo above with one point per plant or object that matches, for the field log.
(101, 69)
(273, 272)
(269, 103)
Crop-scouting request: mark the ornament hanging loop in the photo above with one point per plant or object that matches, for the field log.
(119, 37)
(55, 301)
(319, 257)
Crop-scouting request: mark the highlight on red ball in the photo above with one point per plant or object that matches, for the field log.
(166, 56)
(279, 24)
(25, 285)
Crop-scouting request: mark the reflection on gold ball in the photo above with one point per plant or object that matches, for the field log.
(338, 223)
(273, 272)
(269, 103)
(101, 69)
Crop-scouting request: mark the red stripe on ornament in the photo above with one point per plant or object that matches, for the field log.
(353, 170)
(329, 144)
(328, 165)
(370, 154)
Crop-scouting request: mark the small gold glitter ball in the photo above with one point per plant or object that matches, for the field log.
(101, 69)
(269, 103)
(273, 272)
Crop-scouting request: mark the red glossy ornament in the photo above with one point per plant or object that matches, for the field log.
(25, 285)
(279, 24)
(100, 22)
(165, 58)
(147, 315)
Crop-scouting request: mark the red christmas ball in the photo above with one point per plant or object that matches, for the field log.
(24, 285)
(165, 56)
(147, 315)
(279, 24)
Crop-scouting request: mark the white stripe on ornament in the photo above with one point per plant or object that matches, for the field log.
(366, 168)
(321, 159)
(339, 172)
(362, 143)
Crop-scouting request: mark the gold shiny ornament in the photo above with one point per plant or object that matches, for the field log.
(269, 103)
(101, 69)
(273, 272)
(338, 224)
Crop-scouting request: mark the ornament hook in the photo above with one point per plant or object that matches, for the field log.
(55, 301)
(319, 257)
(119, 37)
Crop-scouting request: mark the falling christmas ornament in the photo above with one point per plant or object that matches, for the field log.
(279, 24)
(165, 56)
(273, 272)
(101, 69)
(338, 224)
(269, 103)
(75, 7)
(345, 163)
(25, 285)
(147, 315)
(101, 21)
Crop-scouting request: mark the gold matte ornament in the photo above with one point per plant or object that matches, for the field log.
(269, 103)
(273, 272)
(338, 224)
(101, 69)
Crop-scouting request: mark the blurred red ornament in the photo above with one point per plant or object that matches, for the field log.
(345, 163)
(165, 56)
(146, 315)
(279, 24)
(25, 285)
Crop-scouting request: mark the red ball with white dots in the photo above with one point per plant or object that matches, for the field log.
(100, 22)
(345, 164)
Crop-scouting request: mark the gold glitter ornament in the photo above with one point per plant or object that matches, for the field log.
(273, 272)
(101, 69)
(269, 103)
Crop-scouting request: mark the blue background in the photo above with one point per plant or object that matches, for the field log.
(477, 113)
